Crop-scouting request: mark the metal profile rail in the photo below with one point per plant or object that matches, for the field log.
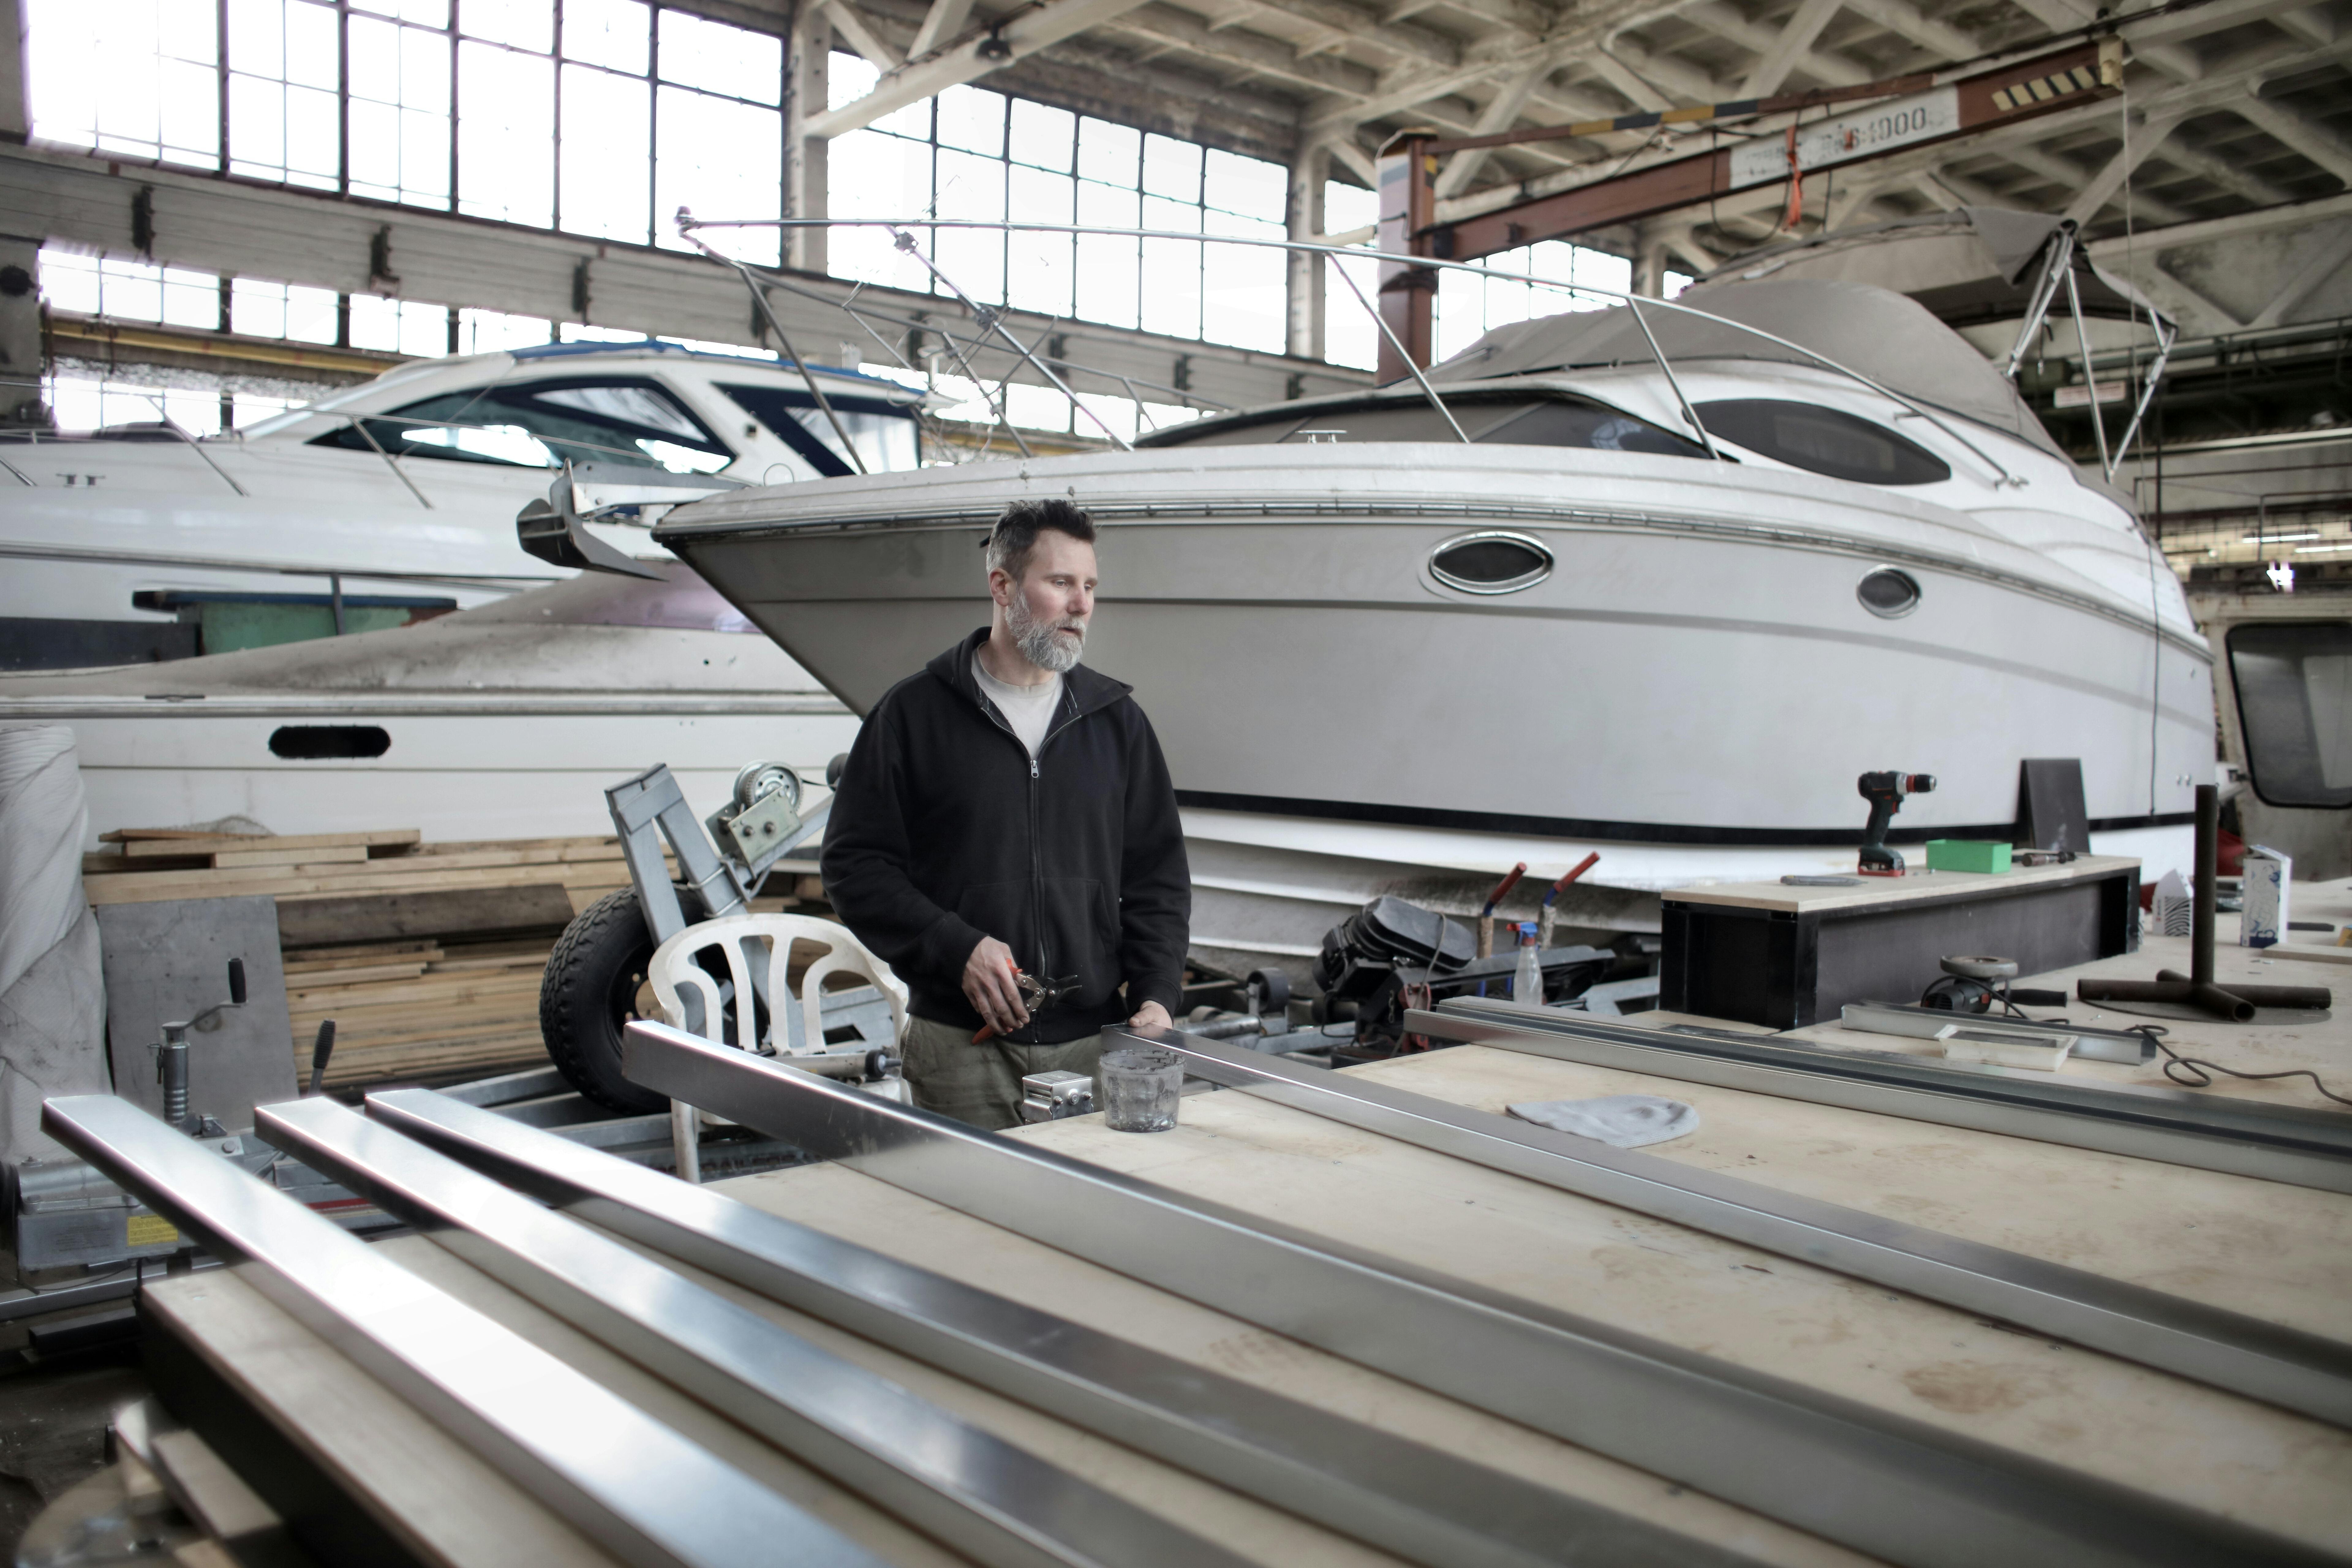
(1866, 1477)
(2207, 1131)
(957, 1482)
(2284, 1366)
(1402, 1497)
(644, 1492)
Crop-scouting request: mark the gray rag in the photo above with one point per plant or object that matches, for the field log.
(1624, 1120)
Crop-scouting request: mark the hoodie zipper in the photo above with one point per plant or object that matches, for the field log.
(1036, 859)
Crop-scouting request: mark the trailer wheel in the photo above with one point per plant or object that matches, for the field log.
(595, 983)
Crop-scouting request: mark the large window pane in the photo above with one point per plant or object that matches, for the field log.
(1046, 138)
(505, 136)
(605, 186)
(1246, 302)
(1249, 187)
(972, 188)
(721, 159)
(1108, 152)
(284, 122)
(1107, 264)
(1172, 168)
(972, 119)
(614, 33)
(399, 112)
(524, 24)
(2293, 683)
(1039, 272)
(1171, 270)
(399, 326)
(720, 58)
(874, 175)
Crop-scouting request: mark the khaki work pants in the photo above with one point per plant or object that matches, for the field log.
(980, 1084)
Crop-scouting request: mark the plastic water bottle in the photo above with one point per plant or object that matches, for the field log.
(1527, 981)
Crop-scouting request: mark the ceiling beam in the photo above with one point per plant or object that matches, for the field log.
(1025, 34)
(2142, 140)
(1790, 47)
(860, 33)
(942, 23)
(2237, 225)
(2297, 131)
(1501, 112)
(1726, 21)
(2307, 279)
(1907, 21)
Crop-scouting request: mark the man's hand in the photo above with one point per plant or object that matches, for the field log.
(1151, 1015)
(989, 986)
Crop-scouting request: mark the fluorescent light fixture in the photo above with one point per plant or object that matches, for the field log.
(2322, 549)
(2277, 538)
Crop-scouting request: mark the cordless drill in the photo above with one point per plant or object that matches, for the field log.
(1885, 791)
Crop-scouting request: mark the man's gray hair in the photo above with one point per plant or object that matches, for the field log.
(1015, 535)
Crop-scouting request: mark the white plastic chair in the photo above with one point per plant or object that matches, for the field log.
(675, 973)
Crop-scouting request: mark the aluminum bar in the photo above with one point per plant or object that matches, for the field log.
(2283, 1366)
(999, 1504)
(637, 1487)
(2212, 1132)
(1402, 1497)
(1866, 1477)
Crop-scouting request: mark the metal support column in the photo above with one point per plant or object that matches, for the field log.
(1304, 284)
(806, 91)
(1408, 294)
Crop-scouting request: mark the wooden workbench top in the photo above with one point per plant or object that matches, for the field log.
(1917, 886)
(2277, 1252)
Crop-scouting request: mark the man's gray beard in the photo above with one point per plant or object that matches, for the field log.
(1039, 642)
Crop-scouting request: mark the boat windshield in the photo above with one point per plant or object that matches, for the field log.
(539, 424)
(1517, 419)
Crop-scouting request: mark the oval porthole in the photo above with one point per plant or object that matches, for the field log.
(1887, 593)
(329, 742)
(1490, 563)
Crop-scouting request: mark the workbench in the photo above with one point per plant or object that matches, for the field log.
(2277, 1252)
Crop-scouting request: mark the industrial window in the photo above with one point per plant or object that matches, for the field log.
(605, 127)
(2293, 683)
(975, 155)
(1822, 441)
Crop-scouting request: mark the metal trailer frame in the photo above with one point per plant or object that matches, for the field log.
(2302, 1372)
(955, 1481)
(1397, 1495)
(2211, 1133)
(1863, 1477)
(645, 1493)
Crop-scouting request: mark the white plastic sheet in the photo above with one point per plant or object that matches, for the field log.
(52, 991)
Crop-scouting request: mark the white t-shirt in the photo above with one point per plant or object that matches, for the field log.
(1028, 709)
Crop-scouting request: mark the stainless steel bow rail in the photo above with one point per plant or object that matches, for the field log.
(646, 1493)
(955, 1481)
(2245, 1355)
(2207, 1131)
(1866, 1477)
(1402, 1497)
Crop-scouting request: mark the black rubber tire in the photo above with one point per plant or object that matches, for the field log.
(589, 991)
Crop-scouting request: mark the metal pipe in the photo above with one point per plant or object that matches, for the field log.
(2268, 995)
(1863, 1477)
(953, 1480)
(649, 1495)
(2246, 1355)
(1393, 1494)
(1673, 380)
(2208, 868)
(2242, 1137)
(1418, 376)
(759, 297)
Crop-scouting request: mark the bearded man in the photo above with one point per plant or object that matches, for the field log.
(1007, 812)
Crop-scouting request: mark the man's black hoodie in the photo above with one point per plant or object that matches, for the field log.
(944, 831)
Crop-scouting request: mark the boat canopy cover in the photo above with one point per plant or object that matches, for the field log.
(1875, 331)
(1970, 267)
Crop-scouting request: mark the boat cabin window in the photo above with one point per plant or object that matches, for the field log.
(2293, 682)
(1822, 441)
(1520, 421)
(538, 425)
(884, 434)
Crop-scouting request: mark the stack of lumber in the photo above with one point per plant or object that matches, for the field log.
(428, 956)
(152, 864)
(418, 1010)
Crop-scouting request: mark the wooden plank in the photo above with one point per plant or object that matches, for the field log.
(435, 858)
(458, 989)
(253, 880)
(143, 835)
(277, 855)
(151, 842)
(440, 913)
(298, 959)
(318, 976)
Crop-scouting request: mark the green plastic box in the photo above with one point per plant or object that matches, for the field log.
(1966, 855)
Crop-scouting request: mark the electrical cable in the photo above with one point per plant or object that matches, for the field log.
(2195, 1072)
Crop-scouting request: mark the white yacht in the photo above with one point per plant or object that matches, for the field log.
(388, 502)
(506, 721)
(1386, 657)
